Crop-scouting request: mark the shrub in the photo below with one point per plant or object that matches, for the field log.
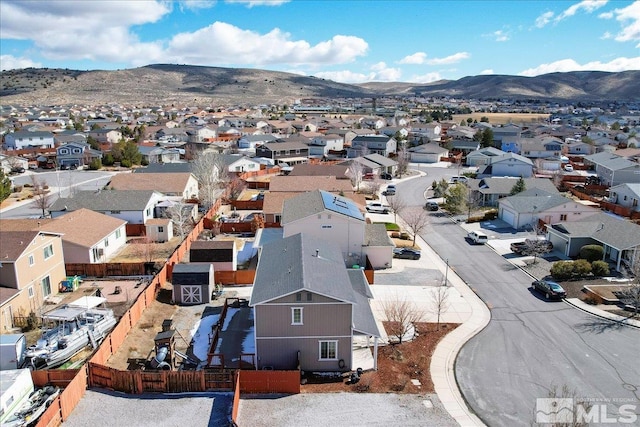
(108, 159)
(125, 163)
(17, 189)
(489, 215)
(600, 268)
(562, 270)
(581, 268)
(405, 236)
(96, 164)
(591, 253)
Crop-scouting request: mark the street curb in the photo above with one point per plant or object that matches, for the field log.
(618, 319)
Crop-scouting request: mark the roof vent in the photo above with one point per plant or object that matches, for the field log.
(317, 253)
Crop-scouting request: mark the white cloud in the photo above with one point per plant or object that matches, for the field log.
(500, 36)
(426, 78)
(379, 73)
(197, 4)
(543, 19)
(83, 30)
(251, 3)
(451, 59)
(566, 65)
(606, 15)
(629, 18)
(416, 58)
(606, 36)
(586, 5)
(486, 72)
(10, 62)
(221, 43)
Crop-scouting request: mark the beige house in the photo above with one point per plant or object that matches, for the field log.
(32, 268)
(179, 184)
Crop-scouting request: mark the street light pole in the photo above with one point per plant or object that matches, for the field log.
(446, 272)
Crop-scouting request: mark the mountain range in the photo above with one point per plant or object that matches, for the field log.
(164, 84)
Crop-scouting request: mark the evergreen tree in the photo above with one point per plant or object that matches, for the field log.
(518, 187)
(5, 186)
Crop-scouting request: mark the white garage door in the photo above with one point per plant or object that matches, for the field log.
(191, 294)
(509, 217)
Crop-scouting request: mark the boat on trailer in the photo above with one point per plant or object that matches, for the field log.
(68, 330)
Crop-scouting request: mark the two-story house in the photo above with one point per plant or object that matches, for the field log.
(308, 306)
(380, 144)
(291, 153)
(22, 139)
(32, 268)
(324, 146)
(76, 154)
(614, 170)
(627, 195)
(509, 164)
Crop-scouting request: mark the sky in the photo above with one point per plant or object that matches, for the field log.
(349, 41)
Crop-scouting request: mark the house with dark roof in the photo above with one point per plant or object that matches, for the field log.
(133, 206)
(32, 268)
(308, 306)
(76, 154)
(340, 220)
(525, 209)
(619, 238)
(24, 139)
(291, 153)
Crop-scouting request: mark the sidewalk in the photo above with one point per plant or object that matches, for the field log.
(581, 305)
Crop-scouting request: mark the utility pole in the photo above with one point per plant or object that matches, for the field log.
(446, 272)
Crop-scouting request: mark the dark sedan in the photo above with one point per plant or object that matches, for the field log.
(550, 290)
(406, 253)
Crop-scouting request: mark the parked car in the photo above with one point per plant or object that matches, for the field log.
(550, 290)
(458, 179)
(406, 253)
(377, 207)
(368, 176)
(386, 176)
(390, 191)
(431, 206)
(17, 169)
(568, 168)
(477, 237)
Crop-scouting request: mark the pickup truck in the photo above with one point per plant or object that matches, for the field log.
(377, 207)
(531, 245)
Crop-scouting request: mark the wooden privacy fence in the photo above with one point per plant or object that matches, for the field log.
(269, 381)
(137, 382)
(238, 277)
(107, 269)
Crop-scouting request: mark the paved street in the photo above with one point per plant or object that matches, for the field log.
(530, 345)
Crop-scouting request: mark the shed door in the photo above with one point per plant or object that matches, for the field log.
(191, 294)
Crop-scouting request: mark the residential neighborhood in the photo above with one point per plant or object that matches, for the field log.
(287, 250)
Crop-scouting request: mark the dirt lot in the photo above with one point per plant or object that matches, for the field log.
(398, 365)
(139, 250)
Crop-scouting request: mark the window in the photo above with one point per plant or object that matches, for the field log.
(48, 252)
(328, 350)
(160, 229)
(563, 217)
(64, 151)
(46, 286)
(115, 212)
(309, 296)
(118, 233)
(30, 291)
(76, 151)
(296, 316)
(326, 226)
(31, 260)
(106, 243)
(299, 296)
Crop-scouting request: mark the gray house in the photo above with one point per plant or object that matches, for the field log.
(380, 144)
(619, 238)
(613, 169)
(627, 195)
(192, 283)
(427, 153)
(487, 191)
(483, 156)
(508, 164)
(308, 306)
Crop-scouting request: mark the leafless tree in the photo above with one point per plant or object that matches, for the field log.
(440, 301)
(356, 173)
(417, 221)
(180, 214)
(403, 160)
(631, 293)
(145, 248)
(397, 205)
(210, 171)
(41, 197)
(401, 314)
(235, 186)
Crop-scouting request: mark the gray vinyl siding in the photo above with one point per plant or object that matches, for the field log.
(282, 353)
(318, 320)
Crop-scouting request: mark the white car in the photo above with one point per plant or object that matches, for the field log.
(568, 168)
(377, 207)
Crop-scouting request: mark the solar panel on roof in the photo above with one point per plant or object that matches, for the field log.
(340, 205)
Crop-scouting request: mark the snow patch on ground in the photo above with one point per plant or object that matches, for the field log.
(201, 334)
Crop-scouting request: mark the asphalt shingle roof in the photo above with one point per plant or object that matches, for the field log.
(616, 232)
(313, 202)
(105, 200)
(301, 262)
(376, 235)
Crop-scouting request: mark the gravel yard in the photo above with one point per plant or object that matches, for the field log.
(338, 409)
(108, 409)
